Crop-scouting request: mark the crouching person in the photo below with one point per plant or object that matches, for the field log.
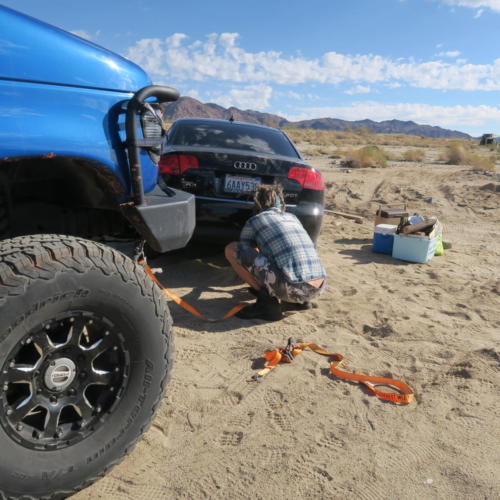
(277, 258)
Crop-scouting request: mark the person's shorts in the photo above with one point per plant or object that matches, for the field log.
(271, 278)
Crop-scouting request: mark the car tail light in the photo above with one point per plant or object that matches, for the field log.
(177, 164)
(308, 178)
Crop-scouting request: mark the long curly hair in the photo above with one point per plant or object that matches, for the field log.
(268, 196)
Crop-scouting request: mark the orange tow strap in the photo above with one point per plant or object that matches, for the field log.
(184, 304)
(287, 354)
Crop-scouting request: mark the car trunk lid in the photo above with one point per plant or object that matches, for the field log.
(230, 174)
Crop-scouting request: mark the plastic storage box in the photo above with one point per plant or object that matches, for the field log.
(414, 248)
(383, 238)
(390, 215)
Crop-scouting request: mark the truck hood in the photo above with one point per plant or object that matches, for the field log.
(34, 51)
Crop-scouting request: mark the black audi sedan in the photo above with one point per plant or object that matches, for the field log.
(222, 162)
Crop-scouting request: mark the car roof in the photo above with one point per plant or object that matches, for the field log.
(216, 120)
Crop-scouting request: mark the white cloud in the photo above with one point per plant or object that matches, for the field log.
(476, 4)
(478, 14)
(446, 116)
(449, 53)
(254, 97)
(219, 57)
(82, 34)
(358, 89)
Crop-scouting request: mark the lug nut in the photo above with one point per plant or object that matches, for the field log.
(59, 432)
(72, 392)
(28, 340)
(19, 427)
(5, 387)
(53, 399)
(10, 411)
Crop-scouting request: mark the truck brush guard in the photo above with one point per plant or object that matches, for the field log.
(165, 218)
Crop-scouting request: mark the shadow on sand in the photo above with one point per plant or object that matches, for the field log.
(204, 269)
(365, 255)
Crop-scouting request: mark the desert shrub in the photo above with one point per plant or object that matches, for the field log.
(461, 154)
(365, 157)
(481, 163)
(414, 155)
(320, 150)
(456, 154)
(337, 154)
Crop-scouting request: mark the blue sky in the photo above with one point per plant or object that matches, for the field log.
(431, 61)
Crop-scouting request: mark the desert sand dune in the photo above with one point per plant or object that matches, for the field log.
(300, 433)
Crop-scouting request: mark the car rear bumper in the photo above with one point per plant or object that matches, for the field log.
(221, 220)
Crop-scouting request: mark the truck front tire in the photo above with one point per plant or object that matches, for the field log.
(84, 357)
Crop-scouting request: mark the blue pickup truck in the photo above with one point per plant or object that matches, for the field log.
(84, 333)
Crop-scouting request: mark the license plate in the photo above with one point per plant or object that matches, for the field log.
(240, 183)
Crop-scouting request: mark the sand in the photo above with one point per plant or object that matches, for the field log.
(301, 433)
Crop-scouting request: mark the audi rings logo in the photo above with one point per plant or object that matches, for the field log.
(245, 165)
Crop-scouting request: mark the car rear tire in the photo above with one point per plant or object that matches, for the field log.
(84, 357)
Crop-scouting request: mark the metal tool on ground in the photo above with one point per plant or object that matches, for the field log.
(292, 349)
(357, 218)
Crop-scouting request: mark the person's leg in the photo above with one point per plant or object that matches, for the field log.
(231, 255)
(254, 268)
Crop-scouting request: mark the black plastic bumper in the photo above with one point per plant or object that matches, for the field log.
(165, 221)
(222, 220)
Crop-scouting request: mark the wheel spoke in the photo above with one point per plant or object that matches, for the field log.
(21, 408)
(84, 409)
(102, 345)
(100, 377)
(43, 344)
(51, 422)
(20, 373)
(77, 329)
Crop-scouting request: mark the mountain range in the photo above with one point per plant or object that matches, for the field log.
(188, 107)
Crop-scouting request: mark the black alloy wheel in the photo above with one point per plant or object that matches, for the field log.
(62, 380)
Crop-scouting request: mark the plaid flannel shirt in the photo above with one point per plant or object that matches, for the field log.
(284, 241)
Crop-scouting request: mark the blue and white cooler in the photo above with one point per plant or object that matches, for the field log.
(383, 238)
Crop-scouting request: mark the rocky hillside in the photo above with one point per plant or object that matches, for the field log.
(188, 107)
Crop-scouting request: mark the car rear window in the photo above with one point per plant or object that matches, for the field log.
(232, 136)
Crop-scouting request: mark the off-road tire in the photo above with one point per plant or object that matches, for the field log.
(41, 277)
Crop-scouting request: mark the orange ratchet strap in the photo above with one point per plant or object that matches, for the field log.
(287, 354)
(184, 304)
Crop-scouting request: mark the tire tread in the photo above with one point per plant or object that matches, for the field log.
(37, 257)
